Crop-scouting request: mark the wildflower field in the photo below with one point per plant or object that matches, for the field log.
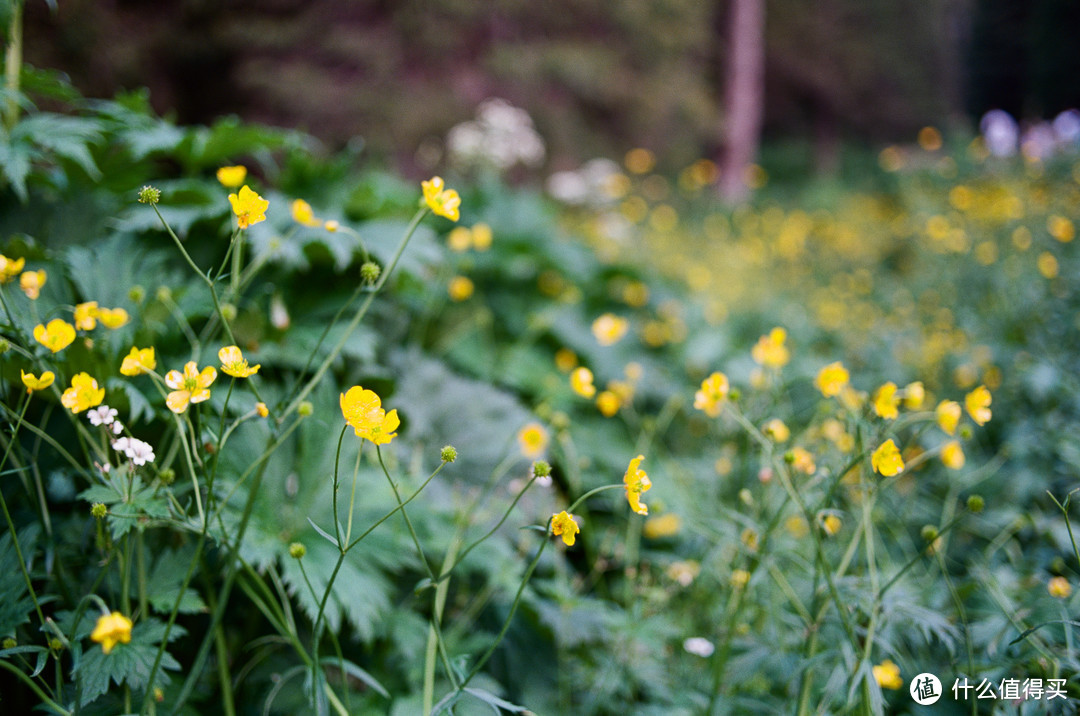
(286, 433)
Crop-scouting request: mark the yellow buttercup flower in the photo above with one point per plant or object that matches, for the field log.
(138, 361)
(831, 524)
(739, 578)
(363, 410)
(303, 214)
(441, 201)
(914, 394)
(460, 288)
(31, 282)
(947, 414)
(262, 410)
(233, 363)
(10, 268)
(777, 430)
(191, 386)
(563, 524)
(803, 460)
(113, 317)
(887, 675)
(56, 336)
(1059, 587)
(86, 315)
(459, 239)
(952, 455)
(532, 439)
(662, 526)
(565, 360)
(581, 380)
(714, 391)
(608, 403)
(770, 350)
(886, 459)
(110, 630)
(977, 403)
(886, 401)
(481, 237)
(636, 483)
(84, 393)
(609, 329)
(831, 379)
(33, 383)
(232, 177)
(249, 207)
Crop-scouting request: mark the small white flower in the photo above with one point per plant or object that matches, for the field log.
(117, 427)
(121, 444)
(101, 415)
(698, 646)
(139, 452)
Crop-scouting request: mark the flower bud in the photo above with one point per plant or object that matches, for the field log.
(149, 195)
(5, 345)
(976, 503)
(56, 645)
(965, 432)
(734, 394)
(10, 643)
(448, 454)
(164, 294)
(369, 272)
(929, 533)
(167, 476)
(297, 550)
(228, 312)
(305, 409)
(541, 468)
(331, 226)
(98, 510)
(137, 294)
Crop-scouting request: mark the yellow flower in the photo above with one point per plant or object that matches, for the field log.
(10, 268)
(532, 439)
(31, 282)
(977, 403)
(803, 461)
(770, 350)
(886, 459)
(565, 360)
(363, 410)
(952, 455)
(191, 386)
(948, 415)
(113, 317)
(303, 214)
(481, 237)
(249, 207)
(459, 239)
(441, 201)
(831, 524)
(56, 336)
(84, 393)
(887, 675)
(831, 379)
(777, 430)
(608, 403)
(581, 380)
(110, 630)
(233, 363)
(138, 361)
(914, 394)
(232, 177)
(86, 315)
(713, 393)
(665, 525)
(739, 578)
(564, 524)
(33, 383)
(852, 399)
(262, 410)
(1059, 587)
(684, 571)
(886, 401)
(636, 482)
(609, 329)
(460, 288)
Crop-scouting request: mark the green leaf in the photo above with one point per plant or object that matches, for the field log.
(127, 663)
(66, 137)
(15, 160)
(495, 701)
(357, 673)
(166, 577)
(15, 601)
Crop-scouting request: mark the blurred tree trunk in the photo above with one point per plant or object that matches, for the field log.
(744, 96)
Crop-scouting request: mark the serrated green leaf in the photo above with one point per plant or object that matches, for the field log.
(15, 162)
(15, 601)
(66, 137)
(127, 663)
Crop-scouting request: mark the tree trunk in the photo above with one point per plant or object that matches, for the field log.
(744, 96)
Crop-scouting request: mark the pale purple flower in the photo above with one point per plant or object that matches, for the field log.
(136, 450)
(101, 415)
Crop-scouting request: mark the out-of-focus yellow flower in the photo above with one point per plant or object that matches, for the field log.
(1061, 228)
(952, 455)
(639, 160)
(303, 214)
(460, 288)
(831, 379)
(770, 349)
(887, 675)
(442, 201)
(86, 315)
(563, 524)
(233, 363)
(886, 401)
(914, 395)
(1047, 264)
(113, 318)
(796, 526)
(635, 294)
(110, 630)
(332, 225)
(481, 237)
(84, 393)
(712, 394)
(661, 526)
(56, 336)
(608, 403)
(10, 268)
(459, 239)
(138, 361)
(609, 329)
(262, 410)
(249, 207)
(191, 386)
(232, 177)
(636, 483)
(930, 139)
(804, 460)
(31, 282)
(948, 414)
(750, 538)
(886, 459)
(532, 439)
(565, 360)
(581, 380)
(33, 383)
(739, 578)
(831, 524)
(363, 410)
(684, 571)
(852, 399)
(1059, 587)
(777, 430)
(977, 403)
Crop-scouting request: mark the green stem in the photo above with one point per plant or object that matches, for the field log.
(13, 60)
(35, 688)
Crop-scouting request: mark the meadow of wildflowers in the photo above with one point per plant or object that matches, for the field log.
(282, 435)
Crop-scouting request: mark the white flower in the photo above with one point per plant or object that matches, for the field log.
(136, 450)
(101, 415)
(117, 427)
(698, 646)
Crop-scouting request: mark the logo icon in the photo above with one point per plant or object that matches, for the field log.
(925, 689)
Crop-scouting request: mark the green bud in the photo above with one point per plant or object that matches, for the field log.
(305, 409)
(734, 394)
(98, 510)
(137, 294)
(164, 294)
(965, 432)
(541, 468)
(976, 503)
(448, 454)
(560, 420)
(369, 272)
(228, 312)
(297, 550)
(56, 645)
(167, 476)
(929, 533)
(5, 346)
(789, 457)
(149, 195)
(10, 643)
